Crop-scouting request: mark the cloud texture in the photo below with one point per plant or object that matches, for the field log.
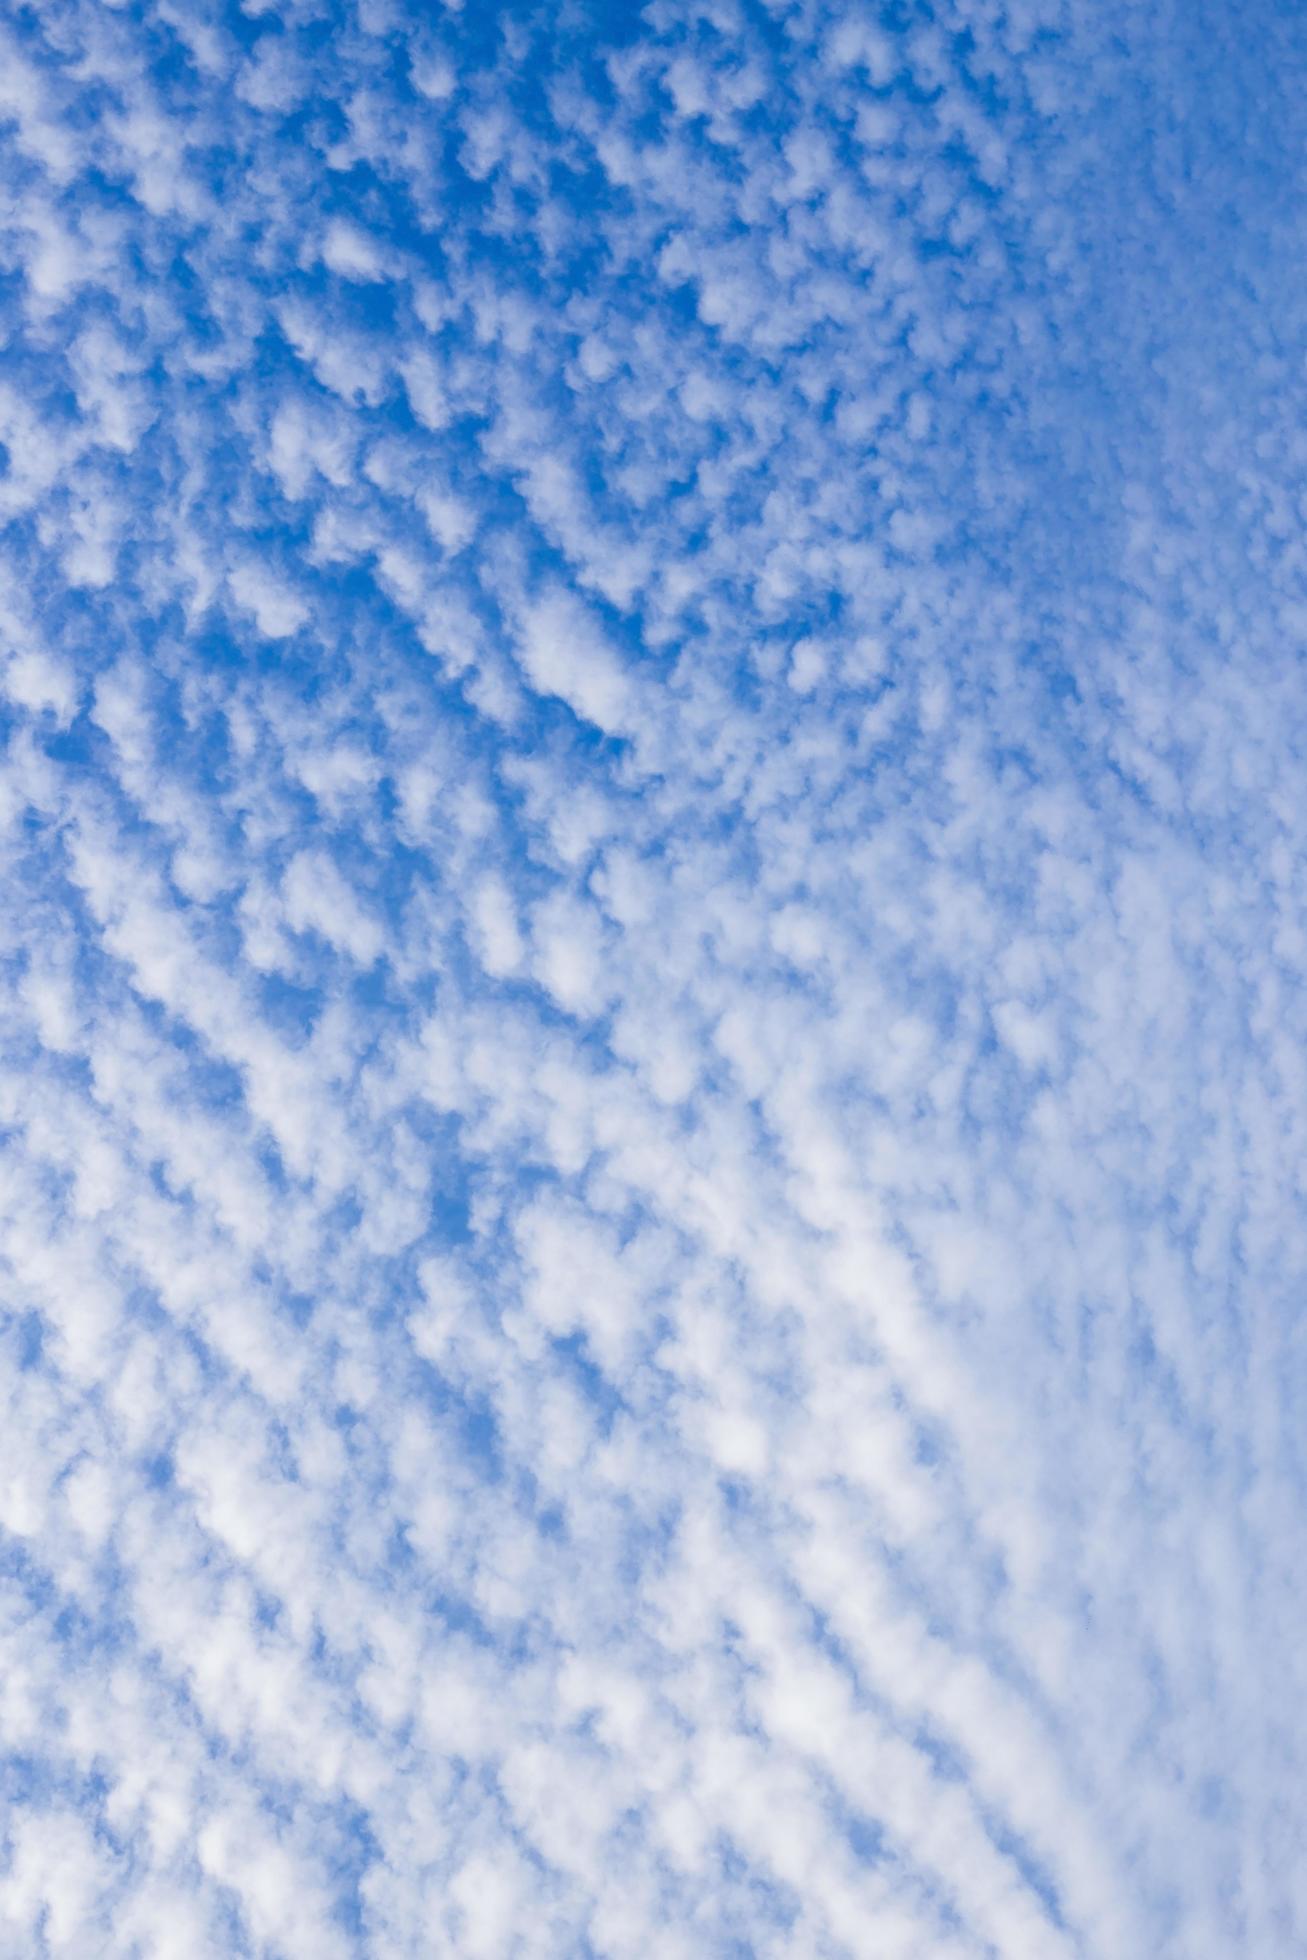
(652, 1084)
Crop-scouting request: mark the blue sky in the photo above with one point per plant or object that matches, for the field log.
(652, 1081)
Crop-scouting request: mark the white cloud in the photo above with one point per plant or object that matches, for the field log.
(566, 654)
(681, 1344)
(276, 609)
(317, 899)
(352, 253)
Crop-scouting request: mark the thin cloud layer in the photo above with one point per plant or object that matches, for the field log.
(652, 1079)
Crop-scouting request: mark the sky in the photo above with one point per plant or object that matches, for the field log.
(653, 1056)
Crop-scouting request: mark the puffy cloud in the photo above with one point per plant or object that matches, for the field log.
(566, 655)
(652, 1012)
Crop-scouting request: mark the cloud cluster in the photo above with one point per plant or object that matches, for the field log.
(652, 1081)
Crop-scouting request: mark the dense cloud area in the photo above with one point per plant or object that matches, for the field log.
(653, 1069)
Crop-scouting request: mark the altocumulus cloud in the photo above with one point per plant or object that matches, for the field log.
(652, 1092)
